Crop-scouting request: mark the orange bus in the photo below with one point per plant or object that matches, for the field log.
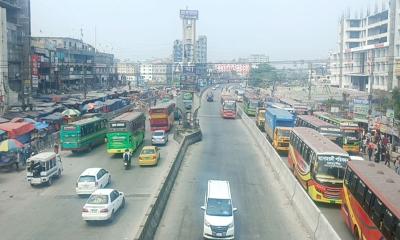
(371, 201)
(318, 164)
(162, 116)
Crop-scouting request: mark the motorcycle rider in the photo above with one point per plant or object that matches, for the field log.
(127, 157)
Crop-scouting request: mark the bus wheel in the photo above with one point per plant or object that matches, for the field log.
(356, 234)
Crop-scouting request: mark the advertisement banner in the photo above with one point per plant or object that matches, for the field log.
(189, 14)
(361, 107)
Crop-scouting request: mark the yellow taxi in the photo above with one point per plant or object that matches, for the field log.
(150, 155)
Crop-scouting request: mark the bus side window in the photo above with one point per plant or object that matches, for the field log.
(397, 233)
(353, 183)
(360, 191)
(389, 224)
(367, 201)
(377, 213)
(347, 177)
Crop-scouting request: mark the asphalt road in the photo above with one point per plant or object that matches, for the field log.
(228, 152)
(41, 213)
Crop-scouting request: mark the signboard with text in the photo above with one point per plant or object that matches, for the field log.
(189, 14)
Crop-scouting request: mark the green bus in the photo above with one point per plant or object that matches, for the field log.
(83, 134)
(126, 132)
(250, 105)
(349, 128)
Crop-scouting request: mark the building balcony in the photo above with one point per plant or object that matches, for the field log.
(397, 68)
(9, 4)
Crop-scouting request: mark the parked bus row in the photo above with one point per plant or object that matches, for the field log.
(368, 193)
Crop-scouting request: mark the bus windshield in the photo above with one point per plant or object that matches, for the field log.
(253, 104)
(283, 132)
(331, 167)
(229, 106)
(352, 134)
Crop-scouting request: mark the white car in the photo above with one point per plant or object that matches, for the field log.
(102, 205)
(92, 179)
(159, 137)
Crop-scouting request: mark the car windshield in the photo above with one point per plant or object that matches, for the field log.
(219, 207)
(87, 179)
(158, 134)
(331, 167)
(148, 151)
(98, 199)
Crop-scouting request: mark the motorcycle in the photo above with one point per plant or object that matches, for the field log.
(127, 163)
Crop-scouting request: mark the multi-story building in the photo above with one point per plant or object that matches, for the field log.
(258, 58)
(69, 65)
(146, 72)
(177, 51)
(15, 31)
(104, 70)
(127, 71)
(368, 55)
(201, 49)
(156, 73)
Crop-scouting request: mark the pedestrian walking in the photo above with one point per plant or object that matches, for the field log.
(387, 158)
(370, 150)
(364, 145)
(383, 152)
(377, 155)
(397, 165)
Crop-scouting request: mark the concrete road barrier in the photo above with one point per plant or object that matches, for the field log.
(312, 217)
(155, 211)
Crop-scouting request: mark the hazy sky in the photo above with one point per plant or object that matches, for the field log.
(282, 29)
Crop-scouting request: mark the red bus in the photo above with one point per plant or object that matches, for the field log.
(371, 201)
(318, 164)
(228, 109)
(162, 116)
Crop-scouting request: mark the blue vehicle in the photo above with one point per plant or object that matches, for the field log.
(278, 124)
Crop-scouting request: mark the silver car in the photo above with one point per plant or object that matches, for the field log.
(159, 137)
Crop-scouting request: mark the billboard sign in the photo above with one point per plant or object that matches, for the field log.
(189, 14)
(390, 113)
(360, 107)
(189, 70)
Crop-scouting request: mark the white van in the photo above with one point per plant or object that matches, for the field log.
(218, 211)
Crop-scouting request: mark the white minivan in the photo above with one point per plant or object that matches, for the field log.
(218, 211)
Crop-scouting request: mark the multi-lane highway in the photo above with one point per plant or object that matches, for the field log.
(54, 212)
(228, 152)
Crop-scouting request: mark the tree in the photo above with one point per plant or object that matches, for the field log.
(395, 102)
(263, 76)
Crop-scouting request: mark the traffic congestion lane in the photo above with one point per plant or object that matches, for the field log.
(228, 152)
(55, 212)
(332, 213)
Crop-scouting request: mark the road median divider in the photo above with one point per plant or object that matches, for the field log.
(306, 209)
(152, 218)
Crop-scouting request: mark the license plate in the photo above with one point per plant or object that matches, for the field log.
(93, 210)
(219, 234)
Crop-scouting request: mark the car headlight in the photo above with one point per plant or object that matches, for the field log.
(206, 223)
(230, 225)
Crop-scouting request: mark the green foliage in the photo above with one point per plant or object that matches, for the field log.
(395, 102)
(263, 76)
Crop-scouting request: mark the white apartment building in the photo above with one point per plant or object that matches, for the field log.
(126, 71)
(146, 72)
(368, 50)
(156, 73)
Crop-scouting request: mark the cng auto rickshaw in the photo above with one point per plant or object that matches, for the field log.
(43, 167)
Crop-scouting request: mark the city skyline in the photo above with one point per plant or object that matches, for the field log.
(130, 31)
